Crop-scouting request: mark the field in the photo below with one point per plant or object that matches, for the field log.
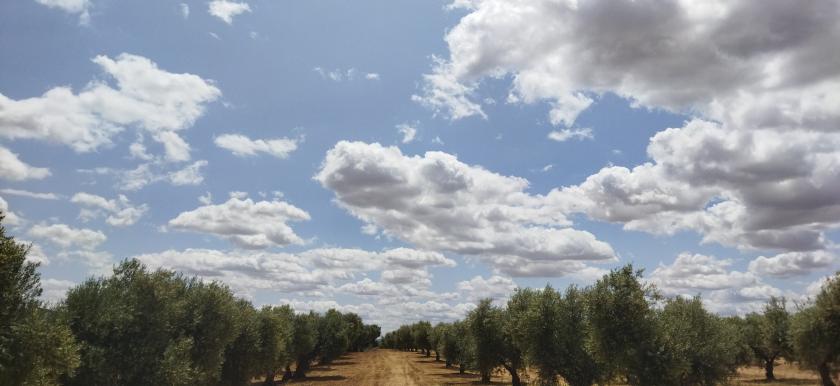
(390, 368)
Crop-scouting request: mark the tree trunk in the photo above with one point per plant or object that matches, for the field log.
(448, 363)
(514, 376)
(768, 370)
(462, 368)
(825, 374)
(287, 374)
(437, 356)
(301, 369)
(428, 353)
(269, 378)
(485, 377)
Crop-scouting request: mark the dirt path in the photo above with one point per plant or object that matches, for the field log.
(385, 368)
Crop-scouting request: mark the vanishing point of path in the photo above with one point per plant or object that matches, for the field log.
(380, 367)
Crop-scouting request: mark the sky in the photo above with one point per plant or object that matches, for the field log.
(404, 159)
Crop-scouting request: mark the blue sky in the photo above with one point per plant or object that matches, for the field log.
(403, 159)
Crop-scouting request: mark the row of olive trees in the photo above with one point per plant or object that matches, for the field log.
(143, 327)
(621, 329)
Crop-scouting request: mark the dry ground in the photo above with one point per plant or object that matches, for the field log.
(396, 368)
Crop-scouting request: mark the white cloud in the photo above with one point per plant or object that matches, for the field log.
(36, 253)
(185, 10)
(340, 75)
(438, 203)
(756, 189)
(408, 132)
(242, 270)
(792, 263)
(324, 270)
(757, 165)
(444, 93)
(248, 224)
(679, 55)
(12, 168)
(10, 217)
(206, 198)
(176, 149)
(243, 146)
(80, 7)
(119, 211)
(152, 172)
(67, 237)
(145, 96)
(26, 193)
(570, 134)
(55, 290)
(227, 10)
(723, 291)
(189, 175)
(497, 288)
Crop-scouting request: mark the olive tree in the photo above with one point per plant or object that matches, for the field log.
(420, 334)
(816, 332)
(768, 334)
(274, 326)
(484, 323)
(554, 334)
(702, 349)
(242, 356)
(303, 345)
(36, 346)
(436, 339)
(624, 328)
(138, 327)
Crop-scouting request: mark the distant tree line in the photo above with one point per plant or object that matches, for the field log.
(143, 327)
(620, 329)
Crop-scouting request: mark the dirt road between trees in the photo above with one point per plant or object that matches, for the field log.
(382, 367)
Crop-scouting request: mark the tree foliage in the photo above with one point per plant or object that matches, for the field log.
(36, 346)
(816, 332)
(767, 334)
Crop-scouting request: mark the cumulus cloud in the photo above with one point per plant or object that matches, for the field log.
(678, 55)
(723, 290)
(792, 263)
(119, 211)
(227, 10)
(243, 146)
(752, 189)
(497, 288)
(66, 237)
(145, 97)
(185, 10)
(80, 7)
(315, 271)
(436, 202)
(248, 224)
(756, 165)
(13, 169)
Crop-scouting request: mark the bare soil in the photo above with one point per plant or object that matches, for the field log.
(380, 367)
